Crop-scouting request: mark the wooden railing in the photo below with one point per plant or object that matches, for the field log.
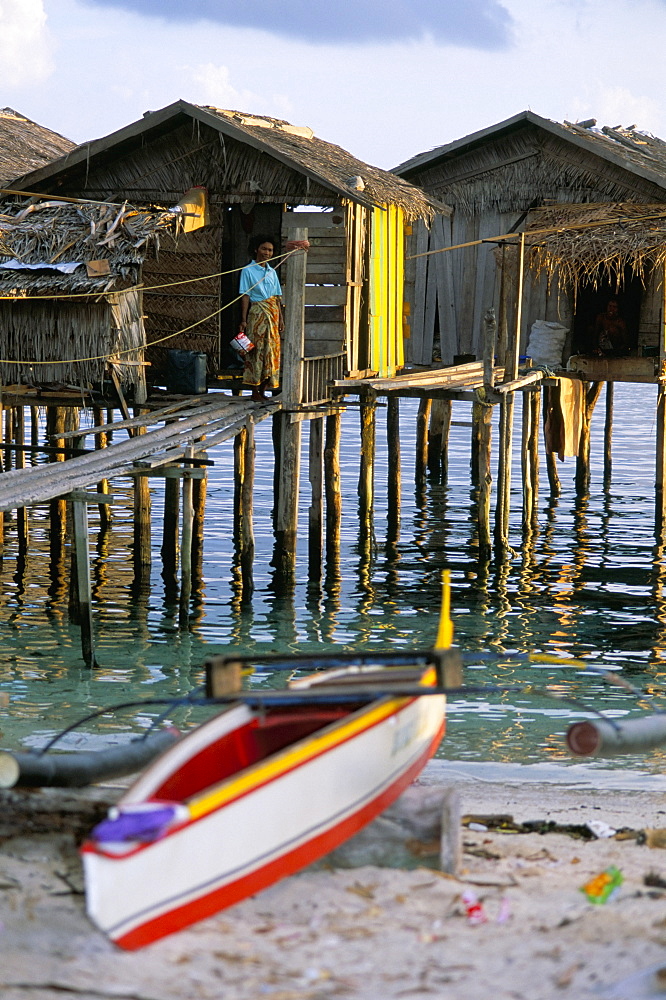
(318, 373)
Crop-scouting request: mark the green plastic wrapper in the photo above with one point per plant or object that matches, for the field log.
(603, 886)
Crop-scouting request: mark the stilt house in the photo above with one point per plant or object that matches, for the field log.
(530, 173)
(247, 175)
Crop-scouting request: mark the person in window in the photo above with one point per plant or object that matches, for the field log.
(611, 330)
(262, 320)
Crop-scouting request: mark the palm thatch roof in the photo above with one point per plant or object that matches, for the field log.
(70, 297)
(527, 160)
(38, 236)
(595, 243)
(240, 157)
(25, 145)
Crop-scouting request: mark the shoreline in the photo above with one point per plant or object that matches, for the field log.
(368, 933)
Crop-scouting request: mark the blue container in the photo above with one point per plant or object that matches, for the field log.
(186, 372)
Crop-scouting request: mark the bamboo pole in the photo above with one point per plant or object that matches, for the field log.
(57, 507)
(199, 491)
(34, 433)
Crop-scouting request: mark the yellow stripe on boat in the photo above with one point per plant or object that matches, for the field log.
(315, 745)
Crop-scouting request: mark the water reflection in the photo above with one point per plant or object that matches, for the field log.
(588, 580)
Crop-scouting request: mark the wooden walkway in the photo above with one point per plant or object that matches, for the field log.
(453, 382)
(195, 422)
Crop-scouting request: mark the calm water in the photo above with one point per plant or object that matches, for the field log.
(592, 584)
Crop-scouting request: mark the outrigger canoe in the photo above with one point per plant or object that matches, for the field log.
(273, 782)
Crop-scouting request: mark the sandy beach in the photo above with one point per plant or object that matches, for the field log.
(370, 932)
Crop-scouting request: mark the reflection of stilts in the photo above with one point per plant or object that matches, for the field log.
(333, 492)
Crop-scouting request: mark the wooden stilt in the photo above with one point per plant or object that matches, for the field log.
(482, 423)
(186, 547)
(170, 539)
(284, 559)
(81, 566)
(34, 433)
(422, 422)
(394, 483)
(333, 492)
(316, 511)
(199, 490)
(141, 552)
(534, 401)
(507, 406)
(660, 470)
(366, 480)
(58, 507)
(22, 512)
(608, 436)
(244, 454)
(582, 478)
(438, 439)
(101, 441)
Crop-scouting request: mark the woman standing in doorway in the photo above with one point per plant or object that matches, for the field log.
(261, 318)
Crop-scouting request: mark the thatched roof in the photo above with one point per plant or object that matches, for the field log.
(25, 145)
(595, 243)
(527, 160)
(35, 232)
(288, 164)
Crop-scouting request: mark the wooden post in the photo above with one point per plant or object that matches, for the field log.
(608, 436)
(101, 440)
(290, 437)
(170, 550)
(82, 575)
(394, 483)
(57, 507)
(507, 406)
(199, 490)
(366, 480)
(551, 465)
(482, 429)
(244, 453)
(422, 422)
(582, 478)
(438, 437)
(333, 492)
(22, 512)
(186, 546)
(660, 471)
(34, 433)
(316, 511)
(141, 552)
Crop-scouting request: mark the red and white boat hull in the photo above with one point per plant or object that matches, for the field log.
(264, 822)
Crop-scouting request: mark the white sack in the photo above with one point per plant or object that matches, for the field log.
(546, 343)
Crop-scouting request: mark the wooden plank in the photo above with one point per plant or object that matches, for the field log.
(327, 232)
(333, 332)
(324, 314)
(326, 241)
(323, 346)
(329, 255)
(319, 220)
(325, 295)
(419, 297)
(326, 267)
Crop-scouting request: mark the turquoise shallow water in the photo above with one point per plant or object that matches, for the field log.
(590, 585)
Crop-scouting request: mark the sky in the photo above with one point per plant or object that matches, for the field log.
(385, 79)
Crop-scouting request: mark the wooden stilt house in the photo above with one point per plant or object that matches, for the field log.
(530, 172)
(255, 175)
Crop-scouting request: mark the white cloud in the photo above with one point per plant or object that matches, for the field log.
(25, 49)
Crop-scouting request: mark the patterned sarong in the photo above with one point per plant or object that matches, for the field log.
(263, 328)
